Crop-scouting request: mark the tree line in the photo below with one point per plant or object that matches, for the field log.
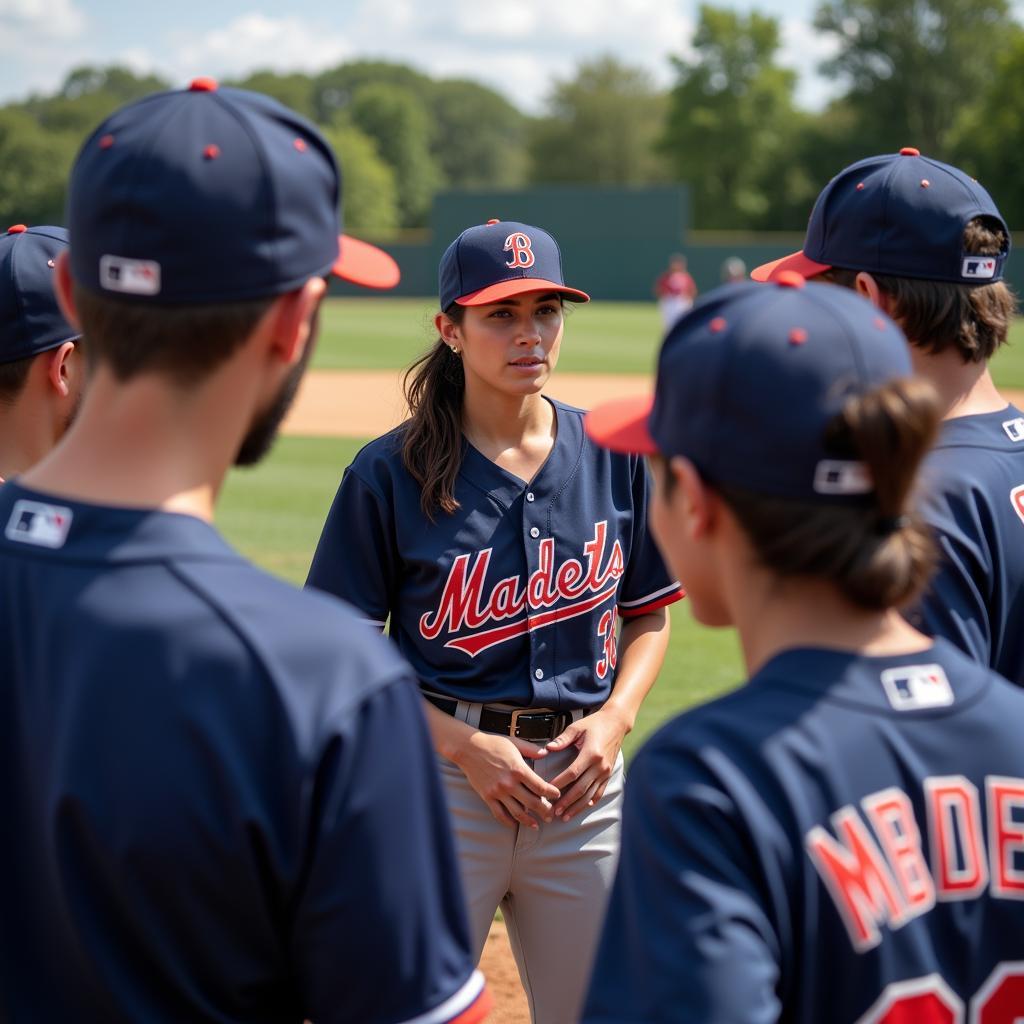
(945, 76)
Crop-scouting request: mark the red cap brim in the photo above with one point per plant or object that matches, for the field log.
(517, 286)
(796, 261)
(365, 264)
(622, 425)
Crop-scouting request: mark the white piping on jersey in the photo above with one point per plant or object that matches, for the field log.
(650, 597)
(454, 1005)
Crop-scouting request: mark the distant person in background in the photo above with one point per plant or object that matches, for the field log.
(675, 291)
(41, 368)
(733, 269)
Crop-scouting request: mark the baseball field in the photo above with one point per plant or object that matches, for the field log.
(274, 513)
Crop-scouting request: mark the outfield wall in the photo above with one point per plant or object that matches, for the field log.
(614, 241)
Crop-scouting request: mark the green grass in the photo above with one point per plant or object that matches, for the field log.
(273, 514)
(380, 334)
(1008, 365)
(600, 337)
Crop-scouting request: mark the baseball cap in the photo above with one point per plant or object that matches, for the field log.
(210, 194)
(30, 319)
(499, 259)
(749, 381)
(901, 214)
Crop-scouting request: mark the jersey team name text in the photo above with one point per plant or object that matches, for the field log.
(463, 605)
(889, 882)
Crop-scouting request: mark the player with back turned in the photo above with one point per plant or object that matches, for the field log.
(926, 243)
(221, 790)
(41, 370)
(840, 839)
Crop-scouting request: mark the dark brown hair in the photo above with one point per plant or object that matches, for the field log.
(185, 343)
(13, 377)
(936, 315)
(879, 553)
(432, 439)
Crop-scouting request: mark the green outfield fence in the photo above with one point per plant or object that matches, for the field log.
(614, 241)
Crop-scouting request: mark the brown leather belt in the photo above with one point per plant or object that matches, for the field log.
(523, 723)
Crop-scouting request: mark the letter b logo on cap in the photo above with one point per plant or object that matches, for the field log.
(521, 248)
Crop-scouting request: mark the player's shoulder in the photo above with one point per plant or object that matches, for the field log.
(963, 439)
(575, 415)
(383, 453)
(301, 640)
(379, 464)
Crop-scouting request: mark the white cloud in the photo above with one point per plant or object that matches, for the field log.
(803, 49)
(256, 42)
(516, 48)
(26, 21)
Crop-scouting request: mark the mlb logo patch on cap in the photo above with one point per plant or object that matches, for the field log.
(917, 686)
(33, 522)
(980, 268)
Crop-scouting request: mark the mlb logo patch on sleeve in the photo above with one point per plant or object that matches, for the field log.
(33, 522)
(917, 686)
(979, 267)
(1015, 429)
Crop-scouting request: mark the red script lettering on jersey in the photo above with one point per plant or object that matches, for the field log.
(463, 604)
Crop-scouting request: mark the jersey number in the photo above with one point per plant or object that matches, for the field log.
(609, 645)
(930, 1000)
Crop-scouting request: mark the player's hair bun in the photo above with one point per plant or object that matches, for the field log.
(880, 552)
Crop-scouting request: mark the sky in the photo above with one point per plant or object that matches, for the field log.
(518, 47)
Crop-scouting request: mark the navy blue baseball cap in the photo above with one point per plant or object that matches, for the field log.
(749, 381)
(902, 214)
(209, 194)
(30, 319)
(499, 259)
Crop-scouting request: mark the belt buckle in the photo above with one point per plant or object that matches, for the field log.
(513, 725)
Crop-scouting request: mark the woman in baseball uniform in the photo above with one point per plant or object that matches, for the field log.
(505, 547)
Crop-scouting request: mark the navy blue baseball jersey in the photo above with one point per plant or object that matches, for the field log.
(840, 840)
(973, 486)
(516, 596)
(221, 801)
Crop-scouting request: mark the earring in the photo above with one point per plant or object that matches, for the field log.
(455, 351)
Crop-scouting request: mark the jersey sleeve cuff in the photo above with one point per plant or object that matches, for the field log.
(470, 1005)
(652, 602)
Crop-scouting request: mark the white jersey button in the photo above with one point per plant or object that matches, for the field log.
(538, 673)
(529, 496)
(534, 532)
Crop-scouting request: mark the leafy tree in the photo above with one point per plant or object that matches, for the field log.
(988, 137)
(295, 91)
(601, 127)
(369, 193)
(479, 137)
(34, 167)
(912, 64)
(399, 124)
(335, 90)
(730, 117)
(88, 95)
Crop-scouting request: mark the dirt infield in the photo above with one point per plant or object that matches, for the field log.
(502, 976)
(365, 403)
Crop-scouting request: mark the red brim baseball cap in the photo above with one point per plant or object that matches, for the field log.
(621, 425)
(506, 289)
(365, 264)
(797, 261)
